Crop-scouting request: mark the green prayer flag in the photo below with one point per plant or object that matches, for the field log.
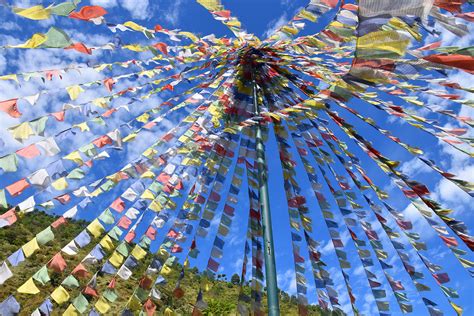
(3, 199)
(9, 163)
(107, 217)
(45, 236)
(76, 174)
(56, 38)
(41, 276)
(70, 282)
(39, 125)
(123, 249)
(115, 233)
(110, 295)
(63, 9)
(80, 303)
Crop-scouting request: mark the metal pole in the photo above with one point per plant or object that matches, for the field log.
(268, 250)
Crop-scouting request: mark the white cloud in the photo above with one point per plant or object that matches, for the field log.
(287, 281)
(414, 166)
(9, 26)
(105, 3)
(172, 14)
(275, 25)
(3, 63)
(138, 9)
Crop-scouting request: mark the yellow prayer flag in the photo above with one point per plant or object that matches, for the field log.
(138, 252)
(143, 118)
(150, 152)
(116, 259)
(82, 126)
(75, 156)
(135, 48)
(155, 206)
(95, 228)
(190, 35)
(147, 174)
(162, 253)
(74, 91)
(60, 184)
(169, 312)
(107, 243)
(22, 131)
(148, 195)
(102, 305)
(458, 309)
(37, 12)
(71, 311)
(29, 287)
(97, 192)
(134, 26)
(166, 270)
(35, 41)
(129, 137)
(13, 77)
(30, 247)
(211, 5)
(60, 295)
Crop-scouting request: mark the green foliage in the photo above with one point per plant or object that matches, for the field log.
(235, 279)
(221, 295)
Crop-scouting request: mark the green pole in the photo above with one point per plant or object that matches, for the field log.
(268, 250)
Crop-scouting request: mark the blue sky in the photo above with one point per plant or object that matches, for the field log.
(258, 17)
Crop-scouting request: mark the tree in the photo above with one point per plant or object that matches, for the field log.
(235, 279)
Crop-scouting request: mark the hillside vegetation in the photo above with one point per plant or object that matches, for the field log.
(222, 296)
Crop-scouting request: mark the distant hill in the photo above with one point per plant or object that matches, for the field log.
(222, 297)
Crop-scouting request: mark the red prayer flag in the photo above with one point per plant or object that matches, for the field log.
(118, 205)
(88, 12)
(463, 62)
(151, 233)
(102, 141)
(57, 263)
(80, 271)
(162, 47)
(81, 48)
(59, 116)
(17, 188)
(124, 222)
(29, 152)
(60, 221)
(130, 236)
(109, 83)
(90, 291)
(10, 107)
(9, 216)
